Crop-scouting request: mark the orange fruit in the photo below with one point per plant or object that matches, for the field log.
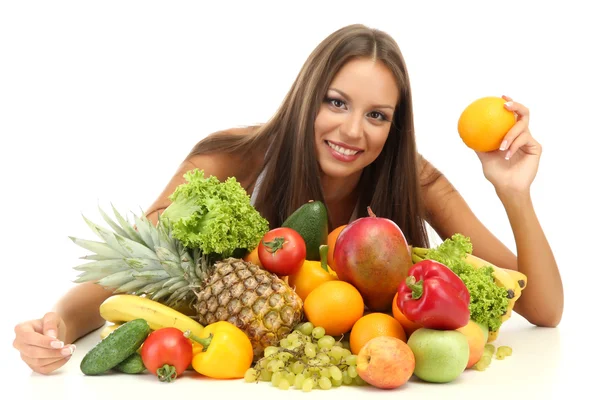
(331, 239)
(253, 257)
(476, 341)
(408, 325)
(335, 306)
(484, 123)
(373, 325)
(309, 277)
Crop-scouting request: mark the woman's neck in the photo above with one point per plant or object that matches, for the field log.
(340, 196)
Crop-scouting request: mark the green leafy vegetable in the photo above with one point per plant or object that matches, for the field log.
(488, 301)
(214, 217)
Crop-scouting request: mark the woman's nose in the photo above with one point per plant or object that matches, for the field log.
(352, 126)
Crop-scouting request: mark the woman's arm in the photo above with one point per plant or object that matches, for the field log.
(542, 301)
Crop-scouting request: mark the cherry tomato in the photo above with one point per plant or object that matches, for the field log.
(282, 251)
(167, 353)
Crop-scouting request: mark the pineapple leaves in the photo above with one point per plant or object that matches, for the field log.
(101, 249)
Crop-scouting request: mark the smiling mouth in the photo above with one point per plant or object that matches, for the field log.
(342, 150)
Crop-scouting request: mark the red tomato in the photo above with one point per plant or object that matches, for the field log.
(167, 353)
(282, 251)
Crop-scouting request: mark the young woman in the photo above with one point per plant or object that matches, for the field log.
(344, 135)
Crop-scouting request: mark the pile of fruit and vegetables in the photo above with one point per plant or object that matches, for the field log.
(211, 290)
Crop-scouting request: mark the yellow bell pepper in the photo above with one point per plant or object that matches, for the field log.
(226, 352)
(312, 274)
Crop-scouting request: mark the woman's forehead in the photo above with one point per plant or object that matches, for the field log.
(367, 80)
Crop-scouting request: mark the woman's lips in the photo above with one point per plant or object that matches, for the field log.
(340, 156)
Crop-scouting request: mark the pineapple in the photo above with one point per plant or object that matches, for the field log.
(146, 260)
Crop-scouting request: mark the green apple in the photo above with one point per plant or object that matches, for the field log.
(440, 355)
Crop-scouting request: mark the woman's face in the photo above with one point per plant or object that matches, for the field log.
(355, 117)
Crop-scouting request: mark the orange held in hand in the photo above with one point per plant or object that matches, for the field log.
(484, 123)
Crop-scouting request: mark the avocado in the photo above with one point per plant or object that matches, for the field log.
(310, 221)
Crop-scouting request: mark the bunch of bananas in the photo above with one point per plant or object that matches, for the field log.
(513, 281)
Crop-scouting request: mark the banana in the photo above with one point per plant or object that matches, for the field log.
(519, 277)
(121, 308)
(107, 330)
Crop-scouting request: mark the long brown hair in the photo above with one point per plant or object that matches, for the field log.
(390, 185)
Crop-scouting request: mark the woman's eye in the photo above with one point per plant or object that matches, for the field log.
(377, 115)
(336, 103)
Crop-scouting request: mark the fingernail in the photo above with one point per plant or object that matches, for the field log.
(507, 156)
(51, 333)
(67, 351)
(508, 104)
(57, 344)
(503, 145)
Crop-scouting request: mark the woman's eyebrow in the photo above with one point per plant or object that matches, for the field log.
(348, 97)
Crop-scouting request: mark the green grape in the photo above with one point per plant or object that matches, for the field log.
(265, 375)
(346, 379)
(276, 378)
(310, 350)
(270, 350)
(352, 371)
(334, 361)
(284, 343)
(284, 356)
(290, 376)
(336, 352)
(284, 384)
(324, 383)
(504, 351)
(483, 362)
(251, 375)
(359, 381)
(297, 367)
(326, 342)
(318, 332)
(324, 372)
(291, 337)
(346, 353)
(307, 386)
(489, 348)
(295, 344)
(350, 360)
(323, 358)
(336, 383)
(335, 373)
(298, 381)
(307, 328)
(263, 362)
(275, 365)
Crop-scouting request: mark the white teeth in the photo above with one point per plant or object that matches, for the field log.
(341, 150)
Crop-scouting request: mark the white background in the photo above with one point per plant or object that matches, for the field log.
(100, 101)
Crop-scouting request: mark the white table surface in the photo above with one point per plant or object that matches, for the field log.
(542, 366)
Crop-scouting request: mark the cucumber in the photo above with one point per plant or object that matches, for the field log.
(131, 365)
(116, 347)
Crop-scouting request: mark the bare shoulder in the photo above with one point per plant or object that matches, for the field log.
(219, 164)
(224, 165)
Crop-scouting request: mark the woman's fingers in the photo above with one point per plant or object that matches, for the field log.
(526, 142)
(518, 108)
(45, 365)
(517, 129)
(32, 351)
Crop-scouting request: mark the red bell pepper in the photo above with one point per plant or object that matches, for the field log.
(434, 296)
